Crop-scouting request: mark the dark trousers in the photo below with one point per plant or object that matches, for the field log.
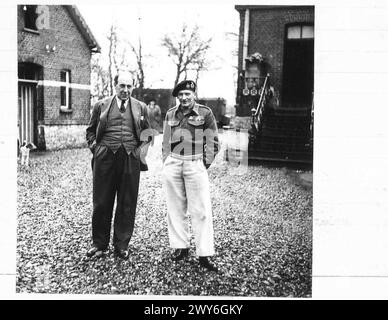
(114, 174)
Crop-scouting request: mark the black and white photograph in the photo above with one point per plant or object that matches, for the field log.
(194, 150)
(165, 154)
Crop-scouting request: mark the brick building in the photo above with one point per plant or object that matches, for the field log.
(277, 41)
(54, 52)
(284, 37)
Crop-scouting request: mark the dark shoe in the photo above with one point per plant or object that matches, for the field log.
(122, 253)
(180, 254)
(95, 252)
(204, 262)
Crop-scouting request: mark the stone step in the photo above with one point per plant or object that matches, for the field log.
(282, 156)
(301, 109)
(285, 136)
(283, 130)
(280, 148)
(287, 115)
(277, 136)
(287, 121)
(268, 141)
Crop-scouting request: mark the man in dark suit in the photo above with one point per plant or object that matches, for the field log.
(118, 135)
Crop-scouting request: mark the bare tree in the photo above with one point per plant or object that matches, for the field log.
(188, 51)
(105, 67)
(112, 55)
(99, 79)
(139, 61)
(233, 37)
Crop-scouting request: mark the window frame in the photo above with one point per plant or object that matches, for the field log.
(66, 85)
(28, 13)
(300, 25)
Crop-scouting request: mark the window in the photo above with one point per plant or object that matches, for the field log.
(293, 32)
(300, 31)
(65, 89)
(307, 32)
(30, 16)
(28, 71)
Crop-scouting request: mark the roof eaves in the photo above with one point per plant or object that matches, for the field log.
(272, 7)
(83, 27)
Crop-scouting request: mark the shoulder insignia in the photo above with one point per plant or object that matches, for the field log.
(203, 106)
(171, 109)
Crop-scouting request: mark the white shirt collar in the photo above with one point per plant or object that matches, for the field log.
(118, 100)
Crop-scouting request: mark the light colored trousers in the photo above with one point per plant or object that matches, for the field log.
(186, 185)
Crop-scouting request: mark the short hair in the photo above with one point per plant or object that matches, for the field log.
(116, 78)
(149, 99)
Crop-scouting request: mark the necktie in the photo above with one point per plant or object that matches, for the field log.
(122, 107)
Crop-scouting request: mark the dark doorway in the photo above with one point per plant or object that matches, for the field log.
(28, 75)
(298, 66)
(26, 108)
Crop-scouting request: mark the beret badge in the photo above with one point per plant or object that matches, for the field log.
(184, 85)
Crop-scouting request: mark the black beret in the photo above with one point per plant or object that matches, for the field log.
(184, 85)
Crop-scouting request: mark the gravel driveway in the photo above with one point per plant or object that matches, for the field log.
(262, 221)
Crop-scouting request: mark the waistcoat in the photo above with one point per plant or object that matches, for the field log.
(119, 129)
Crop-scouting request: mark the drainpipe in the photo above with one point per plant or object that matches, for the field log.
(245, 40)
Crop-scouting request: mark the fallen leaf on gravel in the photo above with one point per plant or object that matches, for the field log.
(262, 227)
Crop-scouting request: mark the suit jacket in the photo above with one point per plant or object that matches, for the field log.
(99, 119)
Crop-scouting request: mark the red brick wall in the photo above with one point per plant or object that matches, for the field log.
(267, 34)
(72, 53)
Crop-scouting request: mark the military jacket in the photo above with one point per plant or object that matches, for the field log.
(191, 135)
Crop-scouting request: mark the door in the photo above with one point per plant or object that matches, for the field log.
(298, 66)
(26, 107)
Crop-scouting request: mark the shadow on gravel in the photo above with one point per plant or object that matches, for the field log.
(262, 227)
(300, 173)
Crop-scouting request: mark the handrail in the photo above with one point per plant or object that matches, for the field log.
(256, 113)
(262, 95)
(312, 121)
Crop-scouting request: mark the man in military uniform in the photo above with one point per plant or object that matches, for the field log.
(115, 136)
(190, 143)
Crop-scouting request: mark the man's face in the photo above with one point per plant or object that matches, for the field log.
(186, 98)
(124, 86)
